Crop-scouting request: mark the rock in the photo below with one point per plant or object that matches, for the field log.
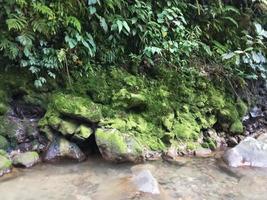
(83, 132)
(263, 137)
(125, 99)
(152, 155)
(232, 141)
(62, 148)
(5, 165)
(145, 182)
(171, 156)
(203, 152)
(67, 127)
(27, 159)
(76, 107)
(256, 112)
(213, 140)
(119, 147)
(250, 152)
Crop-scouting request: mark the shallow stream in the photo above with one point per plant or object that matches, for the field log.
(96, 179)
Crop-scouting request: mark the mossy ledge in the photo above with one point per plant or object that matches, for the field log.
(154, 111)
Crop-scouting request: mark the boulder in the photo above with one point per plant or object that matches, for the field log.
(76, 107)
(5, 165)
(118, 146)
(250, 152)
(27, 159)
(61, 148)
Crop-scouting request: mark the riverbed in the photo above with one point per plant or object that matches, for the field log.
(97, 179)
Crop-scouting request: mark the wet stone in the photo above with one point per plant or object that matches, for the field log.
(61, 148)
(27, 159)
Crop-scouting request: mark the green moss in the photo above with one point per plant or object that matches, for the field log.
(5, 164)
(167, 121)
(241, 108)
(3, 108)
(83, 132)
(229, 113)
(3, 153)
(4, 144)
(210, 144)
(186, 128)
(112, 138)
(237, 127)
(78, 107)
(67, 127)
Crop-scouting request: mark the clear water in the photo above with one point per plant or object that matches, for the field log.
(96, 179)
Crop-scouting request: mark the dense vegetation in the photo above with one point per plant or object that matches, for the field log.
(49, 38)
(160, 70)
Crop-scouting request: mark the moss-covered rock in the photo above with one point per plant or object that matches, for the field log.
(118, 146)
(67, 127)
(5, 165)
(129, 100)
(186, 127)
(237, 127)
(83, 132)
(27, 159)
(76, 107)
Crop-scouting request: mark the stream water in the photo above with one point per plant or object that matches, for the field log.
(96, 179)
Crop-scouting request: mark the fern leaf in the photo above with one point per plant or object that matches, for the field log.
(16, 23)
(71, 20)
(43, 9)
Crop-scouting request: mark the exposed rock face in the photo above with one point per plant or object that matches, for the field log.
(119, 147)
(5, 165)
(61, 148)
(27, 159)
(250, 152)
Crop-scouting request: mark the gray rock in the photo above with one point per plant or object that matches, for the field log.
(61, 148)
(203, 152)
(119, 147)
(256, 112)
(250, 152)
(27, 159)
(145, 182)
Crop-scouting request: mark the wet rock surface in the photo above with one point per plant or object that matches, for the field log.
(5, 165)
(27, 159)
(250, 152)
(61, 148)
(119, 147)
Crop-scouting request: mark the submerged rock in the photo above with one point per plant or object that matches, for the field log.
(5, 165)
(250, 152)
(61, 148)
(27, 159)
(119, 147)
(145, 182)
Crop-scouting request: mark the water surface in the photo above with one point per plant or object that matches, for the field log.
(96, 179)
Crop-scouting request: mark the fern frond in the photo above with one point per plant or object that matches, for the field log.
(16, 22)
(71, 20)
(40, 25)
(43, 9)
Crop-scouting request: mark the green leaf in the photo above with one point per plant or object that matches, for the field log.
(120, 25)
